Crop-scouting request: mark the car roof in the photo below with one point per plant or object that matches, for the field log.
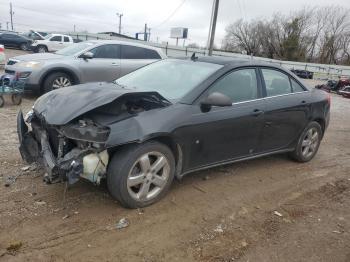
(233, 61)
(123, 42)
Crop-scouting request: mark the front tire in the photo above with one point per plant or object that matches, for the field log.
(141, 174)
(56, 81)
(41, 49)
(308, 143)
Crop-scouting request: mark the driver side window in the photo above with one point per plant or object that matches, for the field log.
(56, 38)
(239, 85)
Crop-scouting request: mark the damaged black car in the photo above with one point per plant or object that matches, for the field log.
(168, 119)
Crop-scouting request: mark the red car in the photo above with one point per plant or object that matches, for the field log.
(345, 92)
(334, 85)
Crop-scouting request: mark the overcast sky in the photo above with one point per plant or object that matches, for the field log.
(96, 16)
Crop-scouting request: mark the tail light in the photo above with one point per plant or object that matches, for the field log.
(2, 49)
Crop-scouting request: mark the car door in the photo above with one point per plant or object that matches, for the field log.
(287, 109)
(104, 66)
(7, 40)
(227, 133)
(55, 43)
(66, 42)
(134, 57)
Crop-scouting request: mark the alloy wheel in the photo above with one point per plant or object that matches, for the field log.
(310, 142)
(60, 82)
(148, 176)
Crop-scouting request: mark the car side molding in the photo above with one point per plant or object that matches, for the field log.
(231, 161)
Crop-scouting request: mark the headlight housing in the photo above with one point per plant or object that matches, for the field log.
(30, 64)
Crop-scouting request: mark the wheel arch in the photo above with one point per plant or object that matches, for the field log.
(67, 71)
(167, 140)
(322, 123)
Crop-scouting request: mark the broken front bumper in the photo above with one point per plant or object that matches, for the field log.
(35, 147)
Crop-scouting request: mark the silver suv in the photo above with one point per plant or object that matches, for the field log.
(90, 61)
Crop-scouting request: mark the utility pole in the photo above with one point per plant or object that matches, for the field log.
(213, 26)
(74, 28)
(149, 34)
(11, 14)
(7, 26)
(120, 22)
(145, 33)
(211, 21)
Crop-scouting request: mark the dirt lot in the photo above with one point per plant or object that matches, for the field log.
(223, 214)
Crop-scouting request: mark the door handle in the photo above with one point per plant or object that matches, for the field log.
(303, 102)
(257, 112)
(115, 64)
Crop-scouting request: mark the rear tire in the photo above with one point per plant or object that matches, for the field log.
(308, 143)
(56, 81)
(2, 101)
(24, 47)
(141, 174)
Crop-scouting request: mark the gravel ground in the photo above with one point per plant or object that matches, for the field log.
(268, 209)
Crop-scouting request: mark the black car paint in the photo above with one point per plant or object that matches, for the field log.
(65, 104)
(13, 40)
(202, 139)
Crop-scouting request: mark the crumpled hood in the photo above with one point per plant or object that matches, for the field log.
(37, 57)
(60, 106)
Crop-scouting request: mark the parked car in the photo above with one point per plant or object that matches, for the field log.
(83, 62)
(2, 55)
(303, 73)
(171, 118)
(52, 43)
(35, 35)
(14, 40)
(334, 85)
(345, 91)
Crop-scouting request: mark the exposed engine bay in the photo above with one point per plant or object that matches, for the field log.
(78, 148)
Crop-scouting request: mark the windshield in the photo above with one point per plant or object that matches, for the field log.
(171, 78)
(74, 49)
(48, 36)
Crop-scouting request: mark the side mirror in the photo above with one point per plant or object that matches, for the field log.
(217, 99)
(87, 55)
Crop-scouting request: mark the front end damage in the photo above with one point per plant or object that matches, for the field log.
(69, 130)
(67, 152)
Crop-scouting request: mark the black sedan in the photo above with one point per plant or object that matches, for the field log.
(15, 40)
(303, 73)
(171, 118)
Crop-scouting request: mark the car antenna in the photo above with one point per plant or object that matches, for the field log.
(194, 57)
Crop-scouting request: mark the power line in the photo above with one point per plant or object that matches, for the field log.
(171, 15)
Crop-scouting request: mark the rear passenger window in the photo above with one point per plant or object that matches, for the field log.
(106, 51)
(151, 54)
(240, 85)
(296, 86)
(66, 39)
(276, 82)
(135, 52)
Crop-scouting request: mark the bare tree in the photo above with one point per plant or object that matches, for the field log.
(310, 34)
(330, 41)
(242, 36)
